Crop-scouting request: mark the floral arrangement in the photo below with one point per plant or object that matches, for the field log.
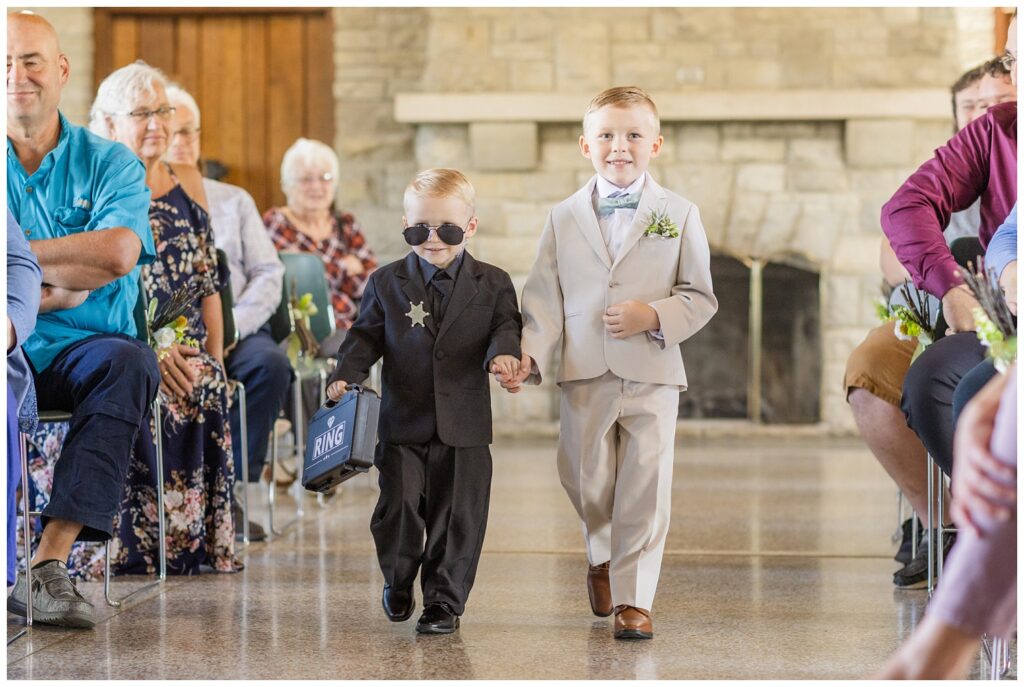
(993, 321)
(168, 324)
(659, 224)
(912, 320)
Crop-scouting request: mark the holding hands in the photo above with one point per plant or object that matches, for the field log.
(511, 372)
(335, 390)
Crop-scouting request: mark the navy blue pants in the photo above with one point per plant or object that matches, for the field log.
(263, 368)
(107, 382)
(971, 384)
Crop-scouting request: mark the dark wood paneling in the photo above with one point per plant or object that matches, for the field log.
(262, 77)
(286, 106)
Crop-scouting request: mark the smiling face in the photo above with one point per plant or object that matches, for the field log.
(36, 71)
(620, 142)
(435, 211)
(148, 138)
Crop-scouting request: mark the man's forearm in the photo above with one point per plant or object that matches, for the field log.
(89, 260)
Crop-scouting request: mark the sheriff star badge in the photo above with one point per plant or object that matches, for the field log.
(416, 314)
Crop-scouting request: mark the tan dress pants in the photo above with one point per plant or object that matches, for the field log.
(615, 455)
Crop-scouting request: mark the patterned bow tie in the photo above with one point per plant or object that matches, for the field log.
(607, 206)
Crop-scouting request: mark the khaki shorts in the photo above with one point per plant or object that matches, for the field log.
(879, 364)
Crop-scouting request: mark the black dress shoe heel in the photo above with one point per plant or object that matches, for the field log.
(398, 604)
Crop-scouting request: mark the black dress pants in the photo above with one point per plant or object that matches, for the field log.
(439, 491)
(928, 392)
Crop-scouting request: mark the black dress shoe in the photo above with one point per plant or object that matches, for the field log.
(437, 619)
(398, 603)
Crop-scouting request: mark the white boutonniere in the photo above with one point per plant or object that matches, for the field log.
(660, 224)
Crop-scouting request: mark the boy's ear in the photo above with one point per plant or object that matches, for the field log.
(405, 222)
(656, 147)
(584, 147)
(471, 227)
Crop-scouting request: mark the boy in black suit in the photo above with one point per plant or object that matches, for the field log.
(441, 320)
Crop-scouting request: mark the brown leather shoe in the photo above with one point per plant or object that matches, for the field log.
(600, 590)
(633, 623)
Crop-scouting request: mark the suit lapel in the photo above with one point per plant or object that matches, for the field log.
(408, 274)
(652, 198)
(583, 212)
(463, 292)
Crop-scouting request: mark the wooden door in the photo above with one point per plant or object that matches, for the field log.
(262, 78)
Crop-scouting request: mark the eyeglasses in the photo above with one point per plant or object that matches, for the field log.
(1008, 59)
(187, 134)
(324, 178)
(417, 234)
(163, 113)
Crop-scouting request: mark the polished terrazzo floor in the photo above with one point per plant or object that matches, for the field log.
(778, 565)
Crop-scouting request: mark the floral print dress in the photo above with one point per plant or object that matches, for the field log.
(198, 469)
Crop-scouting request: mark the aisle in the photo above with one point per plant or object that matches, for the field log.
(778, 566)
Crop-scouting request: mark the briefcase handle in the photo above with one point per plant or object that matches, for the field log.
(330, 403)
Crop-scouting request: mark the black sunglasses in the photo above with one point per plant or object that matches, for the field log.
(452, 234)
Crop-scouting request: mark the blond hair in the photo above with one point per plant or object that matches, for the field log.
(440, 182)
(622, 96)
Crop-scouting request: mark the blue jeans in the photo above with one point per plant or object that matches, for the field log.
(107, 382)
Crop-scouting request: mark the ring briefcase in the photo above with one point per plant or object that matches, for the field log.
(341, 439)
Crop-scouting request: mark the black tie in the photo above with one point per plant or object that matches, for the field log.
(442, 289)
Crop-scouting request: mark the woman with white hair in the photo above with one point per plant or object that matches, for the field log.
(310, 223)
(131, 107)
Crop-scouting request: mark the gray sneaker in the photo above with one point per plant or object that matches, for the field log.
(55, 599)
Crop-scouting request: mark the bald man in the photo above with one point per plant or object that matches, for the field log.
(83, 204)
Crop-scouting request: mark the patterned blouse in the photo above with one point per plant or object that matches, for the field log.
(346, 239)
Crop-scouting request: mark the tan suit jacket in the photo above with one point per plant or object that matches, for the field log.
(574, 281)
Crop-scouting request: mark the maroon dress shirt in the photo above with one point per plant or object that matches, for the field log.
(979, 161)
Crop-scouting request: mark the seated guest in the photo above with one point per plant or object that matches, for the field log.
(978, 593)
(979, 162)
(81, 202)
(1001, 259)
(256, 275)
(310, 223)
(131, 107)
(23, 281)
(877, 367)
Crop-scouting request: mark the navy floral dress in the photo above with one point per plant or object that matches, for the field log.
(198, 469)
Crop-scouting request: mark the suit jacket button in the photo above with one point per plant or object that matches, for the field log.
(439, 355)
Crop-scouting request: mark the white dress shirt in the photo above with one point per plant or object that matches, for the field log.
(256, 271)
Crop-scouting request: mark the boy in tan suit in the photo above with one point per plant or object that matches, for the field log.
(622, 277)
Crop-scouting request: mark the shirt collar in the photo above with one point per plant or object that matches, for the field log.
(428, 270)
(605, 188)
(50, 159)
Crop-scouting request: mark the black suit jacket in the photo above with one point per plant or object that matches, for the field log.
(435, 378)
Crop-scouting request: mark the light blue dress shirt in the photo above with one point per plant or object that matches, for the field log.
(1002, 249)
(23, 280)
(86, 183)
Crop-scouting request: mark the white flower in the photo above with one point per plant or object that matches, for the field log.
(899, 334)
(164, 337)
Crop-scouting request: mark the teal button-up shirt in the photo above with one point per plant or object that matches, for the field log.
(86, 183)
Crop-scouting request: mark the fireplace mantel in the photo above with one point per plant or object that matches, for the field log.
(697, 106)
